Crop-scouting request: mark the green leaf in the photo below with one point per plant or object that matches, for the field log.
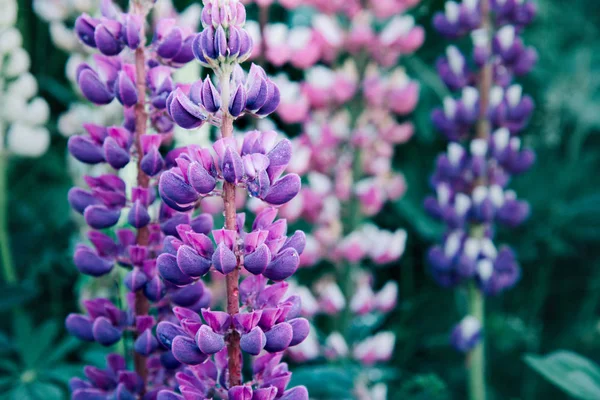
(5, 343)
(66, 346)
(20, 392)
(574, 374)
(15, 295)
(426, 226)
(62, 373)
(45, 336)
(326, 382)
(46, 391)
(8, 365)
(6, 381)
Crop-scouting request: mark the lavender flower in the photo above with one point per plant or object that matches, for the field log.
(130, 71)
(483, 124)
(265, 322)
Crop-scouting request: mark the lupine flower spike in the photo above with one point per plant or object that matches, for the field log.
(482, 124)
(180, 344)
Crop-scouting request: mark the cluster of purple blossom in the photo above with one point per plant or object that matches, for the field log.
(182, 347)
(483, 124)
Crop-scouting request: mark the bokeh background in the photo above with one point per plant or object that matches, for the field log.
(555, 306)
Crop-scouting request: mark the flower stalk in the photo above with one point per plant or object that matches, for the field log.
(142, 305)
(476, 357)
(8, 269)
(232, 279)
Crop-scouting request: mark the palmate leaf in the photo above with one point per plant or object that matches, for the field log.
(46, 337)
(60, 351)
(326, 382)
(62, 373)
(574, 374)
(46, 391)
(16, 294)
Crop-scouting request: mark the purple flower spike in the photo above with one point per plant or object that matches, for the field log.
(152, 163)
(171, 44)
(224, 259)
(84, 28)
(80, 326)
(232, 168)
(301, 328)
(135, 280)
(186, 351)
(122, 393)
(202, 181)
(257, 261)
(203, 223)
(210, 97)
(466, 334)
(283, 190)
(146, 343)
(80, 199)
(167, 331)
(100, 217)
(185, 54)
(279, 337)
(254, 341)
(168, 395)
(279, 158)
(85, 150)
(240, 393)
(209, 341)
(88, 394)
(106, 38)
(221, 42)
(273, 99)
(257, 88)
(187, 296)
(237, 102)
(93, 88)
(126, 90)
(296, 241)
(176, 192)
(133, 31)
(297, 393)
(169, 270)
(104, 332)
(90, 263)
(284, 265)
(191, 263)
(185, 113)
(115, 155)
(219, 321)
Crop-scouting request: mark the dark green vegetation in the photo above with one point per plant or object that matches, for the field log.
(555, 306)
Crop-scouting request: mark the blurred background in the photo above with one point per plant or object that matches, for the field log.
(555, 306)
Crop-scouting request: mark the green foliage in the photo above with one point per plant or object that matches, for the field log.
(34, 362)
(555, 305)
(574, 374)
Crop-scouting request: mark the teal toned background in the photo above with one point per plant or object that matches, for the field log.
(555, 306)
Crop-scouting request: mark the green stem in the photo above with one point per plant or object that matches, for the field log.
(476, 357)
(8, 269)
(353, 214)
(354, 219)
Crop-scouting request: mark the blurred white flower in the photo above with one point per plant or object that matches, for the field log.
(8, 16)
(27, 140)
(22, 114)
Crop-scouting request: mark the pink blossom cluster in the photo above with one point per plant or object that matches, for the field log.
(352, 105)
